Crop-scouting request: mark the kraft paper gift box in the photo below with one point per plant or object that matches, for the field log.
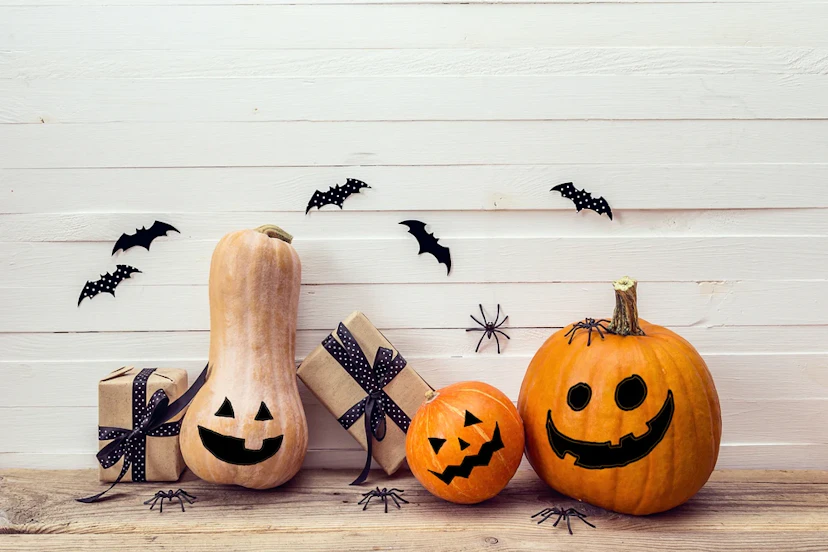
(356, 368)
(123, 398)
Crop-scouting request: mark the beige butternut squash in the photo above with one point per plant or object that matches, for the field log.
(247, 426)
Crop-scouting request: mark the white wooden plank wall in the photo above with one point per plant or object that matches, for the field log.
(704, 124)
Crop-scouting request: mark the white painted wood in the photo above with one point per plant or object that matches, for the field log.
(415, 98)
(412, 143)
(749, 376)
(702, 123)
(184, 308)
(393, 259)
(157, 347)
(424, 188)
(418, 26)
(586, 60)
(32, 430)
(105, 227)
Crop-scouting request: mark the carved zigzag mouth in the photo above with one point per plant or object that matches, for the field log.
(482, 458)
(597, 456)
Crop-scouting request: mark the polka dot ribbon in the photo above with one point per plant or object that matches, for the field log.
(149, 418)
(376, 404)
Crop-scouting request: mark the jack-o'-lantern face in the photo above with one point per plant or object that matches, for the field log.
(232, 449)
(629, 395)
(465, 442)
(621, 413)
(481, 458)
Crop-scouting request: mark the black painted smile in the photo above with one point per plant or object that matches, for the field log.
(482, 458)
(597, 456)
(232, 450)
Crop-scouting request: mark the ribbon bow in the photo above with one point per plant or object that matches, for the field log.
(149, 419)
(376, 404)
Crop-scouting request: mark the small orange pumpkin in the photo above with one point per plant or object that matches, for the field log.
(622, 414)
(246, 426)
(465, 442)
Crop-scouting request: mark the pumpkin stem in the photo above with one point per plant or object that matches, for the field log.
(430, 395)
(625, 317)
(273, 231)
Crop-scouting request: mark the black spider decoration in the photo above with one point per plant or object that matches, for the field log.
(547, 513)
(383, 494)
(180, 494)
(489, 329)
(588, 324)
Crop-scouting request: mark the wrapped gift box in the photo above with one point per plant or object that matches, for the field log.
(123, 399)
(357, 368)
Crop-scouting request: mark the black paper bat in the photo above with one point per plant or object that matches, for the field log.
(428, 243)
(583, 199)
(143, 236)
(336, 195)
(107, 283)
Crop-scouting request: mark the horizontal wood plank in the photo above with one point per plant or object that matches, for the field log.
(393, 260)
(749, 376)
(160, 308)
(158, 347)
(570, 97)
(355, 224)
(400, 189)
(413, 26)
(585, 60)
(411, 143)
(744, 421)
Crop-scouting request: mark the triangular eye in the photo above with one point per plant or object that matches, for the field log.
(226, 409)
(471, 419)
(463, 445)
(263, 413)
(436, 443)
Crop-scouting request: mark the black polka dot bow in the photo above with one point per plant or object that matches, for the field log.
(149, 418)
(376, 404)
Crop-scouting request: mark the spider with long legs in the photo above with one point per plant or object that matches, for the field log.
(489, 329)
(180, 494)
(547, 513)
(383, 494)
(588, 324)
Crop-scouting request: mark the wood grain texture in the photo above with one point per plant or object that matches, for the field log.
(419, 26)
(393, 259)
(138, 191)
(530, 305)
(619, 97)
(317, 510)
(194, 144)
(321, 62)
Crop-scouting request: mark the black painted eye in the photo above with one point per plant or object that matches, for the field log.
(226, 409)
(471, 419)
(630, 393)
(263, 413)
(436, 443)
(578, 396)
(463, 445)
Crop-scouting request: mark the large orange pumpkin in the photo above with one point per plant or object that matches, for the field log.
(465, 442)
(622, 414)
(246, 426)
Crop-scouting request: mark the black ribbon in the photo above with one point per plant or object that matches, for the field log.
(376, 404)
(148, 419)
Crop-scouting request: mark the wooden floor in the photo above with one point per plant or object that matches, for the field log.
(737, 510)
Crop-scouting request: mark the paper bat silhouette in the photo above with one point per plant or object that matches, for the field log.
(143, 236)
(336, 195)
(428, 243)
(583, 199)
(107, 283)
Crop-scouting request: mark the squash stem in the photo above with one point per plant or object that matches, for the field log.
(273, 231)
(625, 317)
